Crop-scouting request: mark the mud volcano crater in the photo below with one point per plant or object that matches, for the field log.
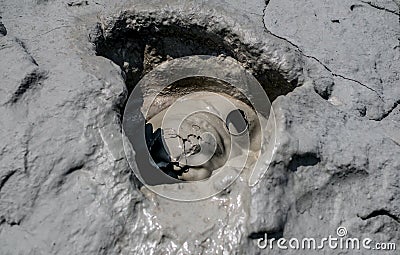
(141, 42)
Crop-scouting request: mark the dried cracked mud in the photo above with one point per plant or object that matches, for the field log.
(331, 70)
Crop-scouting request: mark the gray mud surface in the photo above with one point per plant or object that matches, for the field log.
(331, 69)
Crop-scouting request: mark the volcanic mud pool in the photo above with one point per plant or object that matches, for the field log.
(197, 122)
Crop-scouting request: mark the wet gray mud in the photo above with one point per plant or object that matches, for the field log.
(68, 68)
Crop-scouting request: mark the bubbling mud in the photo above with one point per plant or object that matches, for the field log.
(201, 132)
(193, 125)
